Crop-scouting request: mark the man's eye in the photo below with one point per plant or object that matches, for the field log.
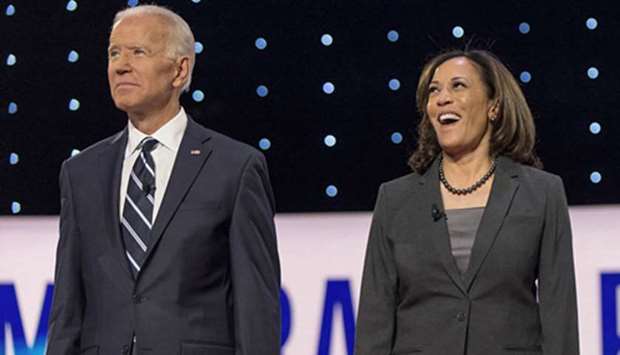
(139, 51)
(113, 54)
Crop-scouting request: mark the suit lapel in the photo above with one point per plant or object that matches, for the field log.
(109, 168)
(502, 193)
(432, 228)
(191, 156)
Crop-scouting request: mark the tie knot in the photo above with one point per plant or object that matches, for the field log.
(148, 144)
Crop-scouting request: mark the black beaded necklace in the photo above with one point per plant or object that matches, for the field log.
(467, 190)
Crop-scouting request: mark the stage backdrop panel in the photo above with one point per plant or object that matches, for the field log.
(322, 256)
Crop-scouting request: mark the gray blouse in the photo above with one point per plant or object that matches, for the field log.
(462, 226)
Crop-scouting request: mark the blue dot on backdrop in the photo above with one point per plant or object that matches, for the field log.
(10, 10)
(198, 95)
(458, 32)
(328, 88)
(329, 140)
(596, 177)
(16, 207)
(196, 1)
(327, 39)
(12, 109)
(71, 5)
(132, 3)
(73, 56)
(397, 138)
(13, 159)
(262, 91)
(75, 152)
(591, 23)
(392, 36)
(595, 128)
(331, 191)
(11, 60)
(198, 47)
(264, 143)
(74, 104)
(524, 27)
(525, 77)
(592, 73)
(394, 84)
(260, 43)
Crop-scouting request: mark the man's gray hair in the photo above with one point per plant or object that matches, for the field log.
(180, 37)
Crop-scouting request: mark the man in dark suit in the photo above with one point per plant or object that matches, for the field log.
(167, 242)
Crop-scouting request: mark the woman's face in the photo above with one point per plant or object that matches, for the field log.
(459, 108)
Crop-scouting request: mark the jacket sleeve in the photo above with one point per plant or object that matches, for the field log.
(255, 264)
(377, 305)
(557, 295)
(68, 301)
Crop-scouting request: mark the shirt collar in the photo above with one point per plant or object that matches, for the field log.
(169, 135)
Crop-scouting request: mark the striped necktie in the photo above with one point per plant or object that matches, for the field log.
(137, 218)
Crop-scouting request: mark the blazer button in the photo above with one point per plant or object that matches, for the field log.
(460, 316)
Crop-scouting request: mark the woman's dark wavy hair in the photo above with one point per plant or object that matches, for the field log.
(513, 132)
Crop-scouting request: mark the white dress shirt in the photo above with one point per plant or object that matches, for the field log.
(164, 154)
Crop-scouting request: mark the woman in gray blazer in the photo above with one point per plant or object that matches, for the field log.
(471, 253)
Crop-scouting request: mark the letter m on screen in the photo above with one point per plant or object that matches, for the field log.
(610, 302)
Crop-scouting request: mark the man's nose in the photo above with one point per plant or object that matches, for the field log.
(122, 64)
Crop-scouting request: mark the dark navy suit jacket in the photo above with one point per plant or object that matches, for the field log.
(211, 280)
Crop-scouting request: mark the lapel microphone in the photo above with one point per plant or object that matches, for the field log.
(436, 213)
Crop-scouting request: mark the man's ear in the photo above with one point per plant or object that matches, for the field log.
(181, 72)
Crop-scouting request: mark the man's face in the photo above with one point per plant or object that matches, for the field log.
(140, 72)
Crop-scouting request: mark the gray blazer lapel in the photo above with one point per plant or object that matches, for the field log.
(505, 185)
(193, 153)
(431, 227)
(110, 166)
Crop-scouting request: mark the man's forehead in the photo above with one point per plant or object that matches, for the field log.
(138, 29)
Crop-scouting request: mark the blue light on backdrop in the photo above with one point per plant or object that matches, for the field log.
(73, 56)
(396, 138)
(392, 36)
(458, 32)
(327, 40)
(260, 43)
(525, 77)
(264, 144)
(262, 91)
(72, 6)
(329, 140)
(74, 104)
(394, 84)
(329, 88)
(198, 47)
(331, 191)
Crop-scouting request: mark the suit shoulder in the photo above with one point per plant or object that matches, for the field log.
(539, 177)
(91, 152)
(231, 150)
(397, 190)
(401, 184)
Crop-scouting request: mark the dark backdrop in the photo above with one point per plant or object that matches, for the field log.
(362, 113)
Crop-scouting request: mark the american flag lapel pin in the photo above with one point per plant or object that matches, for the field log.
(194, 152)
